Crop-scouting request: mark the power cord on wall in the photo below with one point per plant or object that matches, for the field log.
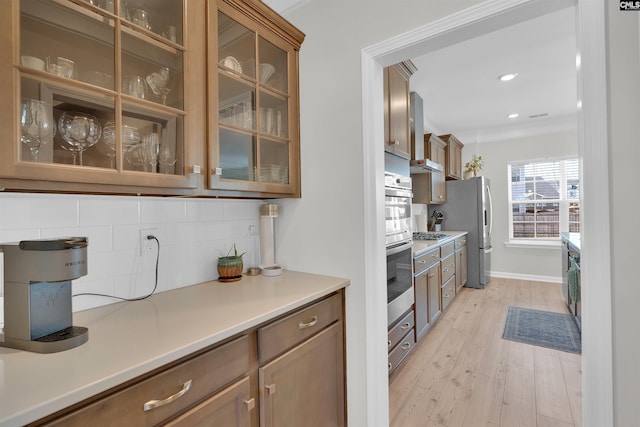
(155, 286)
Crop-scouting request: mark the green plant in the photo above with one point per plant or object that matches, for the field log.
(234, 256)
(474, 165)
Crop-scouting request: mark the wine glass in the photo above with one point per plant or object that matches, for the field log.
(36, 119)
(167, 160)
(159, 83)
(80, 130)
(130, 139)
(151, 146)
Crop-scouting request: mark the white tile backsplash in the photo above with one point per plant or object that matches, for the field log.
(192, 234)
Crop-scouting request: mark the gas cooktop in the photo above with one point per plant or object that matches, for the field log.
(429, 235)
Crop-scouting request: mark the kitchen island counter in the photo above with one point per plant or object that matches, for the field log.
(129, 339)
(421, 246)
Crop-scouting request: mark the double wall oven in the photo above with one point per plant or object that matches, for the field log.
(398, 241)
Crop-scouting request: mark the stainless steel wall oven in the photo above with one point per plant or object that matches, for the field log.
(398, 241)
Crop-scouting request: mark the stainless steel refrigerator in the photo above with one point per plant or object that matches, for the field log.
(468, 208)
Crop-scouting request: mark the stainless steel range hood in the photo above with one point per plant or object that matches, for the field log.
(424, 166)
(418, 163)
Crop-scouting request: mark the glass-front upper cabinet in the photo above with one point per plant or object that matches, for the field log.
(253, 100)
(99, 92)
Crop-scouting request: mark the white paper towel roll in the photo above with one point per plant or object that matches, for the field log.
(421, 222)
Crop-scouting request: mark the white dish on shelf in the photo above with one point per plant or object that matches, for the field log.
(231, 62)
(32, 62)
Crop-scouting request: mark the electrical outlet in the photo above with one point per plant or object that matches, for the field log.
(147, 245)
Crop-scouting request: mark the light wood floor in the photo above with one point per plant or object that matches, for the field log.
(464, 374)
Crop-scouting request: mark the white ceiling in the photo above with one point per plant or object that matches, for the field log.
(460, 87)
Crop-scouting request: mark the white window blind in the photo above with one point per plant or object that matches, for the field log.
(544, 198)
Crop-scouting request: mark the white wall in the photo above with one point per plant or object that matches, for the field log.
(519, 262)
(324, 232)
(624, 152)
(192, 234)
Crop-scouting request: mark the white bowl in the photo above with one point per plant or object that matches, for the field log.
(266, 71)
(32, 62)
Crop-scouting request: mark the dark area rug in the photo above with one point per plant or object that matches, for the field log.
(543, 328)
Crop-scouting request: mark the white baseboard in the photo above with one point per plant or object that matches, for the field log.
(533, 277)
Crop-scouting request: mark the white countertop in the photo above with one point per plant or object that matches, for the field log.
(420, 246)
(131, 338)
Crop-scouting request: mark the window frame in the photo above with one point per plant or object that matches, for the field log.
(564, 201)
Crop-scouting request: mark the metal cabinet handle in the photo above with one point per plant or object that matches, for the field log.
(444, 270)
(405, 345)
(405, 325)
(396, 142)
(250, 404)
(422, 261)
(388, 343)
(390, 366)
(310, 323)
(152, 404)
(271, 388)
(446, 295)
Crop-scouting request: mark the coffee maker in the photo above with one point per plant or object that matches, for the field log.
(37, 293)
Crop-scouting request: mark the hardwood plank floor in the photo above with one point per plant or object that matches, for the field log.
(464, 374)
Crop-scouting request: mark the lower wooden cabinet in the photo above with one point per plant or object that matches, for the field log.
(305, 386)
(298, 361)
(461, 262)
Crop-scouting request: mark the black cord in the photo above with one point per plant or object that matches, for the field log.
(155, 286)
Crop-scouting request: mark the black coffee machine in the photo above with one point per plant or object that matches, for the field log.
(37, 294)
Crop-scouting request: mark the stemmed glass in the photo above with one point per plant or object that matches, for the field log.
(151, 146)
(80, 130)
(130, 139)
(166, 159)
(159, 82)
(36, 119)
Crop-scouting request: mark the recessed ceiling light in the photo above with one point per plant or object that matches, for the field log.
(507, 77)
(513, 115)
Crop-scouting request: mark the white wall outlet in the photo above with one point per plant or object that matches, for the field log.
(147, 245)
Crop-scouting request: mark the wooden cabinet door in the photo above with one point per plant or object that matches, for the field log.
(453, 153)
(421, 304)
(305, 386)
(436, 149)
(397, 93)
(254, 136)
(433, 292)
(463, 267)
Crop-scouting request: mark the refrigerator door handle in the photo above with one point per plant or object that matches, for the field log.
(490, 211)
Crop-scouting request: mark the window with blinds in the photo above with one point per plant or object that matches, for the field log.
(544, 198)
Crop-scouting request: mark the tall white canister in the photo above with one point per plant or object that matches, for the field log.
(268, 215)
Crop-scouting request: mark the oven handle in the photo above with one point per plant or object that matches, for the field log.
(399, 248)
(396, 192)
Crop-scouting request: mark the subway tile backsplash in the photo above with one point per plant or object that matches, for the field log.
(192, 234)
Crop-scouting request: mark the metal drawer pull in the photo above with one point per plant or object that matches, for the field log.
(390, 366)
(432, 275)
(251, 403)
(405, 325)
(388, 343)
(446, 295)
(405, 345)
(271, 388)
(152, 404)
(305, 325)
(422, 261)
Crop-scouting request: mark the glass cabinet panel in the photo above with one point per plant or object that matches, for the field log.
(236, 47)
(94, 98)
(273, 66)
(67, 44)
(157, 17)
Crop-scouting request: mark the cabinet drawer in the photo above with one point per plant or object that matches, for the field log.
(398, 331)
(460, 242)
(205, 373)
(283, 334)
(448, 249)
(425, 260)
(448, 292)
(448, 267)
(401, 351)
